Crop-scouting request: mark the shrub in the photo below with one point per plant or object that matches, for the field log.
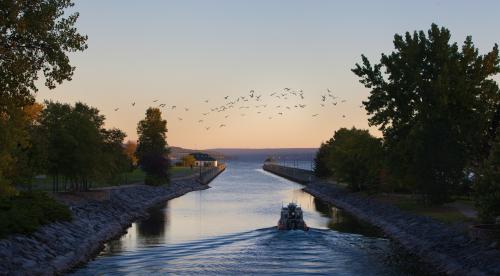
(487, 186)
(24, 213)
(154, 180)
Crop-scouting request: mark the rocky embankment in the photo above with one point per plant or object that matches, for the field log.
(58, 247)
(446, 248)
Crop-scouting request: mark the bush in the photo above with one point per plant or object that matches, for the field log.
(487, 186)
(24, 213)
(154, 180)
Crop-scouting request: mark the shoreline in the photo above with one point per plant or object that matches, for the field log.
(60, 247)
(441, 246)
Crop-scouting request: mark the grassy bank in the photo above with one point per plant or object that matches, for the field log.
(135, 176)
(447, 213)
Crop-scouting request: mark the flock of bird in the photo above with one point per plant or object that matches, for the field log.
(284, 101)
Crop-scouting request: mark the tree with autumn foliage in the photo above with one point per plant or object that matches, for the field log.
(35, 39)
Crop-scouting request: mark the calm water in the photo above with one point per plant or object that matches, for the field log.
(229, 229)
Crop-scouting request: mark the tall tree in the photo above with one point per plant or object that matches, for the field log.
(115, 160)
(435, 105)
(79, 148)
(35, 37)
(152, 151)
(355, 156)
(321, 166)
(129, 148)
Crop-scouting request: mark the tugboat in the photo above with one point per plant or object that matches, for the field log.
(291, 218)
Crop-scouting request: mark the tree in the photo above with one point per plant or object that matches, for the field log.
(129, 149)
(487, 186)
(355, 156)
(321, 166)
(35, 37)
(31, 155)
(437, 107)
(152, 148)
(79, 148)
(188, 160)
(115, 161)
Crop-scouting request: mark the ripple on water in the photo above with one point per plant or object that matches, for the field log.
(211, 232)
(264, 251)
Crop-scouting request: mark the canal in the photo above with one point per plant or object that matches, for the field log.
(230, 229)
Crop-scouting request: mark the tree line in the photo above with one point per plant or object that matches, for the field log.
(438, 110)
(61, 140)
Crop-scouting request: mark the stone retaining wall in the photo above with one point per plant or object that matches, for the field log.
(58, 247)
(294, 174)
(207, 176)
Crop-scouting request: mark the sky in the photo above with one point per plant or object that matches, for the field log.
(185, 52)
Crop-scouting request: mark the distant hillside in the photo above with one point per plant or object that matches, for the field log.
(262, 154)
(304, 154)
(178, 152)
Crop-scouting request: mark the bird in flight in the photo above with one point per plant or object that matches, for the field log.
(199, 121)
(207, 128)
(206, 101)
(133, 104)
(343, 101)
(315, 115)
(226, 116)
(225, 98)
(155, 101)
(187, 109)
(162, 105)
(323, 105)
(173, 106)
(280, 113)
(205, 114)
(323, 98)
(180, 119)
(116, 109)
(343, 116)
(222, 125)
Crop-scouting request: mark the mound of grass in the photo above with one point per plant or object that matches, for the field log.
(24, 213)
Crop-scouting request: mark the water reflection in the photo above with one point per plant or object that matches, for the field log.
(155, 224)
(230, 229)
(342, 221)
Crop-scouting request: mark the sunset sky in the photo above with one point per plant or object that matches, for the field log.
(185, 52)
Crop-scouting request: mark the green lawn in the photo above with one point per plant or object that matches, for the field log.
(444, 213)
(135, 176)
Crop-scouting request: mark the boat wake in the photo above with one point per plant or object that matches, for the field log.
(261, 251)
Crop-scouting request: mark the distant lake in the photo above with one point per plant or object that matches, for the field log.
(229, 229)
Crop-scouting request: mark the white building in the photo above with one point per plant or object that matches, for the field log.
(204, 160)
